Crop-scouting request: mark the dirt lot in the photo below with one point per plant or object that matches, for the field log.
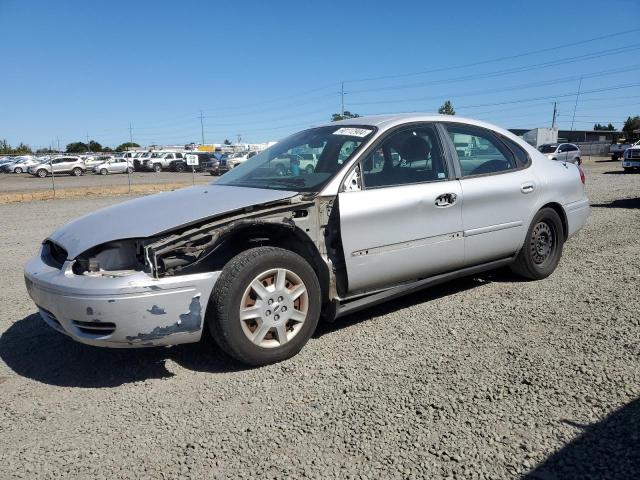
(485, 377)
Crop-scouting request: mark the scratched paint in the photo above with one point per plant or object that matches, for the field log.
(156, 310)
(187, 323)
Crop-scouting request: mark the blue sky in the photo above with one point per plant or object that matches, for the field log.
(264, 69)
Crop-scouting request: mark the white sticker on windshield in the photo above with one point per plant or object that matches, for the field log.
(353, 132)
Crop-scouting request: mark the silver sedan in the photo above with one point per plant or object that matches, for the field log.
(114, 165)
(394, 204)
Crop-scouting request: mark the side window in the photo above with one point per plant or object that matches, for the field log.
(178, 155)
(521, 155)
(170, 156)
(479, 151)
(411, 155)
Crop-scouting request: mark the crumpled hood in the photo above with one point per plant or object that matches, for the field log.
(155, 214)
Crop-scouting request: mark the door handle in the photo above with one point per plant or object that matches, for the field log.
(527, 187)
(446, 199)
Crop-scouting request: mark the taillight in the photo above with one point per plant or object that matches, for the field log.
(583, 179)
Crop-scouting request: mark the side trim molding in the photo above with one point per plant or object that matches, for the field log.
(492, 228)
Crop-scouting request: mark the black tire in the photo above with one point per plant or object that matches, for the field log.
(18, 170)
(280, 170)
(538, 259)
(157, 167)
(41, 173)
(309, 169)
(77, 172)
(211, 173)
(223, 317)
(103, 171)
(614, 157)
(578, 161)
(129, 170)
(627, 169)
(180, 168)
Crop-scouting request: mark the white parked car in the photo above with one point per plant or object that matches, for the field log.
(67, 164)
(114, 165)
(563, 152)
(21, 164)
(239, 158)
(257, 257)
(631, 160)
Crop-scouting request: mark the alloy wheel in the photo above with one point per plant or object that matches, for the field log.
(273, 308)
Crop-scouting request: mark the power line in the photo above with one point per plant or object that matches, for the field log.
(524, 68)
(498, 59)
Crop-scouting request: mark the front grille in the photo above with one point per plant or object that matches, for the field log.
(53, 255)
(634, 154)
(100, 329)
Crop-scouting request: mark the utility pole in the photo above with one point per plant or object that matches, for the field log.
(88, 147)
(129, 166)
(201, 127)
(58, 140)
(239, 139)
(555, 112)
(576, 104)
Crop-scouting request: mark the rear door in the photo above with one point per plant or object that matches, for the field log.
(499, 193)
(405, 222)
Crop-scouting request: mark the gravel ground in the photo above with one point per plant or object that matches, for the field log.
(10, 182)
(485, 377)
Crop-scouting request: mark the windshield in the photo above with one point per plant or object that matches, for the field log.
(278, 168)
(547, 148)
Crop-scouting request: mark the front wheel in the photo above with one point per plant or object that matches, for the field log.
(42, 173)
(18, 170)
(265, 306)
(103, 171)
(542, 248)
(77, 172)
(157, 167)
(129, 170)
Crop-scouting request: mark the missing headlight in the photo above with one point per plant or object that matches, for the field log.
(112, 256)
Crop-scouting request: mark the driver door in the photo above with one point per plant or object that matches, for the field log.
(405, 222)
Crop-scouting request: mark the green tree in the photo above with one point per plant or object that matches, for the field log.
(447, 109)
(227, 142)
(95, 146)
(631, 124)
(608, 128)
(4, 146)
(107, 149)
(77, 147)
(123, 146)
(343, 116)
(21, 149)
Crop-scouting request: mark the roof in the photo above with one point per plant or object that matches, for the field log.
(386, 121)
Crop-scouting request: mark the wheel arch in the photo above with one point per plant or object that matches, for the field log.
(562, 214)
(285, 235)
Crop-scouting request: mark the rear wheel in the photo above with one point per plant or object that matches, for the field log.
(129, 170)
(265, 306)
(18, 170)
(280, 170)
(180, 168)
(77, 171)
(578, 161)
(542, 248)
(103, 171)
(309, 169)
(157, 167)
(42, 173)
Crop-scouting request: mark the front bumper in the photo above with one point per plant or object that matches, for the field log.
(628, 163)
(131, 310)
